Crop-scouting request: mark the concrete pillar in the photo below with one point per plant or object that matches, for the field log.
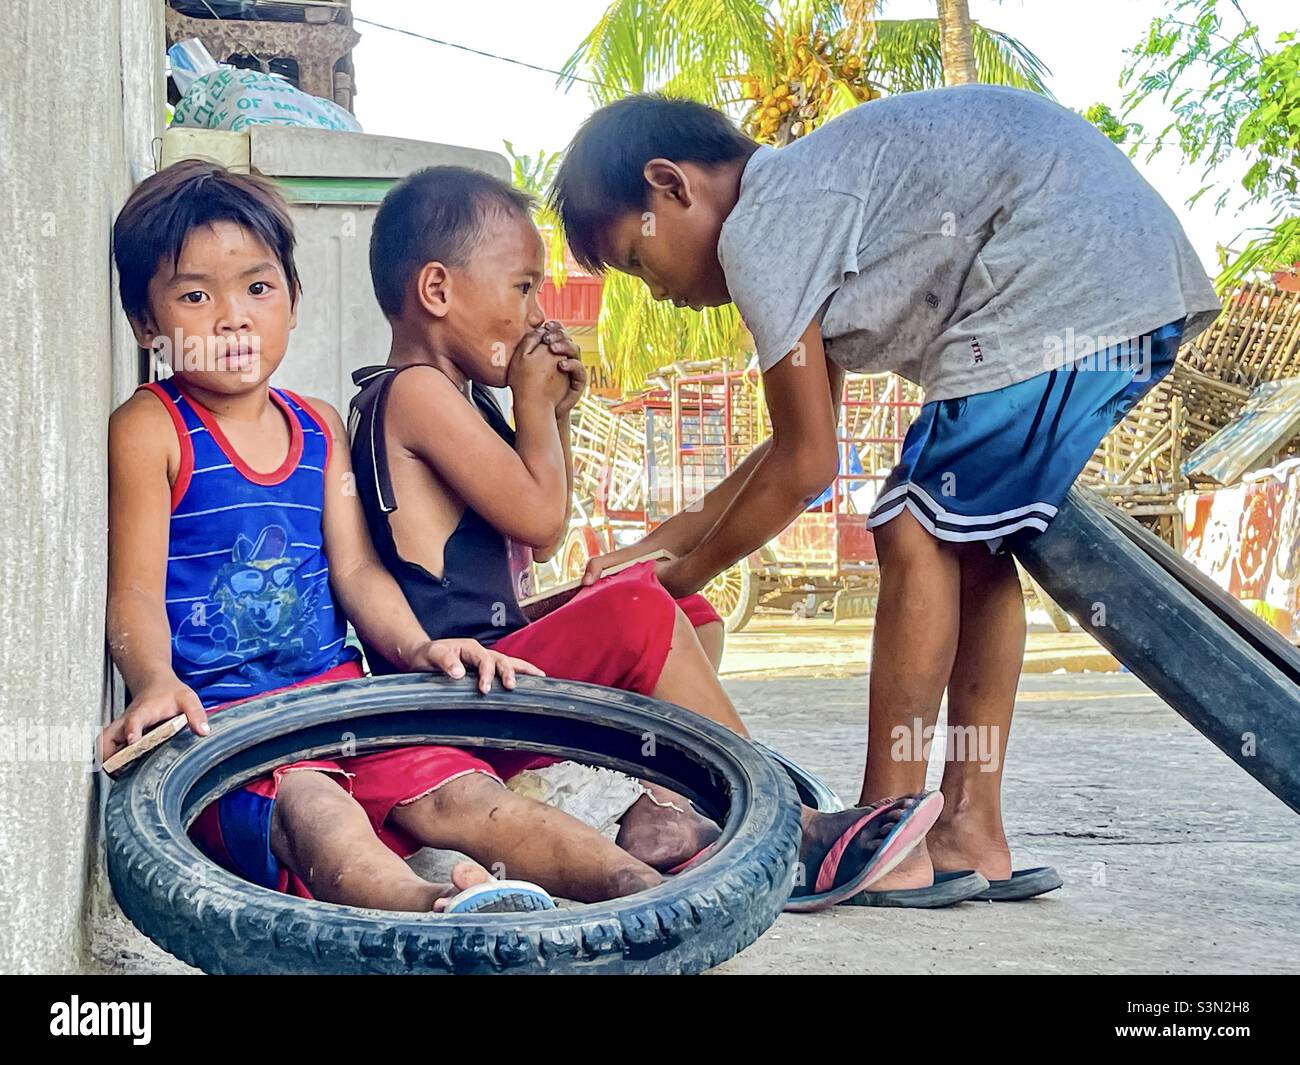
(82, 102)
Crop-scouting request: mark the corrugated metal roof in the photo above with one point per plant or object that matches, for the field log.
(1268, 422)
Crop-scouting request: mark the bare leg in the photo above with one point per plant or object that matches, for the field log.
(664, 836)
(689, 679)
(981, 698)
(321, 833)
(914, 644)
(712, 636)
(476, 815)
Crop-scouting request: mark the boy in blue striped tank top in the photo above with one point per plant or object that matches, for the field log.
(236, 548)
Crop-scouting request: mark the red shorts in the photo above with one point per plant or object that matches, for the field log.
(616, 633)
(699, 611)
(235, 831)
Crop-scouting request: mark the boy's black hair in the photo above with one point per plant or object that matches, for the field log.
(602, 176)
(433, 215)
(167, 206)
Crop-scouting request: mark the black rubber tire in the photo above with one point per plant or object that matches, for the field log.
(222, 924)
(813, 791)
(1209, 662)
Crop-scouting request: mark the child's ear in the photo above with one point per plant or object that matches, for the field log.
(293, 307)
(144, 328)
(433, 289)
(665, 176)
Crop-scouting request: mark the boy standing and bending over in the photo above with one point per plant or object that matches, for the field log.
(983, 242)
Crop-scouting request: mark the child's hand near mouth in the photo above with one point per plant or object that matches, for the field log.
(570, 362)
(532, 375)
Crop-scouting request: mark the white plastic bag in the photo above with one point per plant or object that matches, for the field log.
(233, 99)
(188, 61)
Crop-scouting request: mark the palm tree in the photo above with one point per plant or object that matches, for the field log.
(532, 174)
(957, 38)
(781, 68)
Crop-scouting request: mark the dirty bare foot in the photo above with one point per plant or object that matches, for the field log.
(822, 833)
(663, 830)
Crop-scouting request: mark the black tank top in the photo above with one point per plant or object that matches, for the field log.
(475, 597)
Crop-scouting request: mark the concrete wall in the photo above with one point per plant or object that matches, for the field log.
(340, 326)
(81, 102)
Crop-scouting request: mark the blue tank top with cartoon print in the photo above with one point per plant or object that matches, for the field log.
(248, 596)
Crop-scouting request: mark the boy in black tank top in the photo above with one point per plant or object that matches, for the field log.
(446, 485)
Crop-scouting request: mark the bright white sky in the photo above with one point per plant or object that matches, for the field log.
(411, 88)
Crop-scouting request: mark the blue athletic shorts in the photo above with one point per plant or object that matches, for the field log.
(986, 466)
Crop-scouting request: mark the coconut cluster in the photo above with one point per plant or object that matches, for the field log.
(795, 103)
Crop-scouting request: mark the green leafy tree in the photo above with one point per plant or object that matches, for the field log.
(1101, 116)
(533, 174)
(1227, 93)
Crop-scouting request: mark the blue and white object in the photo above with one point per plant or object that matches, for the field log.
(501, 896)
(187, 61)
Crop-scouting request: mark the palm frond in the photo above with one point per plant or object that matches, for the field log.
(690, 45)
(1004, 60)
(905, 55)
(533, 174)
(638, 335)
(614, 52)
(842, 99)
(836, 15)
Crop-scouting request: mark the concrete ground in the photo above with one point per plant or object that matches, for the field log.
(1174, 859)
(775, 645)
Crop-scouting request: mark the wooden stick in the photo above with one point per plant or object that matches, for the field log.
(153, 738)
(541, 604)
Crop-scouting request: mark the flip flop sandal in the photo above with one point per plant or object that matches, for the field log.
(500, 896)
(681, 867)
(921, 812)
(1022, 884)
(948, 889)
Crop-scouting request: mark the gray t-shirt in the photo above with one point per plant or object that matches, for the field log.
(967, 238)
